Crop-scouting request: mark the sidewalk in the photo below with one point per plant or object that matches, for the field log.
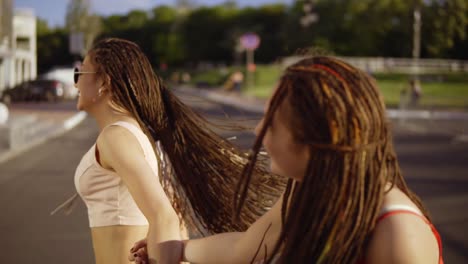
(257, 105)
(31, 124)
(453, 123)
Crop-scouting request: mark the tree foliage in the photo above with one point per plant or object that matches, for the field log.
(446, 23)
(52, 49)
(193, 34)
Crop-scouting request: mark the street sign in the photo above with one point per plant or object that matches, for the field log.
(76, 44)
(250, 41)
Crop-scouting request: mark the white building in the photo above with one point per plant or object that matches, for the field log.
(18, 48)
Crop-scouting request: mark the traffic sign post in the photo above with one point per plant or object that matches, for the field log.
(250, 62)
(250, 42)
(76, 43)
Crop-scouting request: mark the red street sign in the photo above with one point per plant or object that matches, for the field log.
(250, 41)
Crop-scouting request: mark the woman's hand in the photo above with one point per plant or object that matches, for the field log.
(173, 249)
(138, 253)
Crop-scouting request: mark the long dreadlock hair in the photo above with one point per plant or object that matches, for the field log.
(205, 167)
(337, 111)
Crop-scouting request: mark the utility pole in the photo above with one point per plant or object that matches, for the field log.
(309, 16)
(415, 85)
(416, 53)
(82, 25)
(417, 31)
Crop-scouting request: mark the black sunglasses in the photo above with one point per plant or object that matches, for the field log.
(77, 73)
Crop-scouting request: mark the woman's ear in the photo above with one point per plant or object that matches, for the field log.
(104, 85)
(105, 81)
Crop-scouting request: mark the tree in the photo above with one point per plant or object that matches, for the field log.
(136, 19)
(204, 31)
(210, 34)
(42, 27)
(459, 50)
(52, 49)
(185, 6)
(168, 44)
(444, 25)
(269, 22)
(80, 19)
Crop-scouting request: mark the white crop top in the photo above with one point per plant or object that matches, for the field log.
(107, 198)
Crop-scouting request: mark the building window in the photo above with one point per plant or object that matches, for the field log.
(23, 43)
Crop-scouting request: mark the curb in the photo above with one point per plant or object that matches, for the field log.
(56, 130)
(426, 114)
(74, 120)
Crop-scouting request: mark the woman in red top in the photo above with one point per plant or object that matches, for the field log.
(326, 130)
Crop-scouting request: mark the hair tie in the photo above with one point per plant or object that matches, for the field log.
(318, 66)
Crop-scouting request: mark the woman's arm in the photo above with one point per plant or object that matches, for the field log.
(120, 151)
(238, 247)
(235, 247)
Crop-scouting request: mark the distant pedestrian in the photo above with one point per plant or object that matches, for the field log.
(132, 189)
(175, 78)
(415, 92)
(346, 201)
(237, 80)
(186, 78)
(410, 94)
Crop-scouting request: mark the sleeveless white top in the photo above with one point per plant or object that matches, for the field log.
(107, 198)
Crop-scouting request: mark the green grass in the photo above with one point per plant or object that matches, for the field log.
(210, 77)
(435, 94)
(439, 91)
(266, 78)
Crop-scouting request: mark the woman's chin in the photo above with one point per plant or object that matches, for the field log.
(80, 106)
(284, 174)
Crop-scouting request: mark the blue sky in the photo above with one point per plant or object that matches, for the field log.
(54, 10)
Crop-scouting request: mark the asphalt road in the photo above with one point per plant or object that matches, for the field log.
(32, 184)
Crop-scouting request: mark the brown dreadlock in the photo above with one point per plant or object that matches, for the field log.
(205, 167)
(338, 112)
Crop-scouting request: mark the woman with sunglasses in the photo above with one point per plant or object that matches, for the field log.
(325, 130)
(155, 161)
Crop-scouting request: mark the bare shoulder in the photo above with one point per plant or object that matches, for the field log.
(116, 143)
(116, 136)
(113, 133)
(403, 238)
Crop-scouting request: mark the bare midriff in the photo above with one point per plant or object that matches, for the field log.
(112, 243)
